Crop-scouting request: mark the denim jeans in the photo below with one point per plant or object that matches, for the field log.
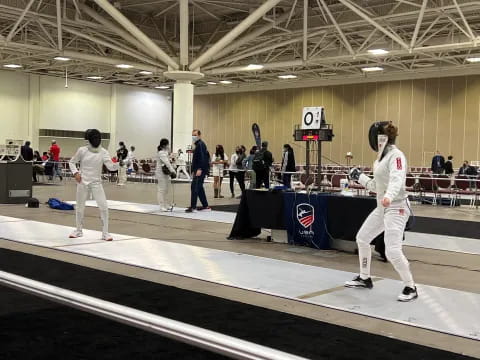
(198, 191)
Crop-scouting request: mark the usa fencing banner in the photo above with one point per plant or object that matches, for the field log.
(305, 218)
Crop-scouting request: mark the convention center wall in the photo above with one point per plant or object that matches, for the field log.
(136, 116)
(437, 113)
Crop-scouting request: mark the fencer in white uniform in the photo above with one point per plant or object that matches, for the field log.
(91, 157)
(182, 164)
(164, 179)
(392, 211)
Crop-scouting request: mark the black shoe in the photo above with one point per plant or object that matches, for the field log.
(408, 294)
(358, 282)
(189, 210)
(204, 208)
(61, 178)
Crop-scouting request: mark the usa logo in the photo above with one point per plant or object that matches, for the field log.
(305, 215)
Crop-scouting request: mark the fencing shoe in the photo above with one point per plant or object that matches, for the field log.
(76, 234)
(408, 294)
(163, 209)
(107, 237)
(358, 282)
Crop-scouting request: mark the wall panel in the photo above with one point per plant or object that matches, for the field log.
(432, 114)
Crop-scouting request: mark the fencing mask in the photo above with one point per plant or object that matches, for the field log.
(94, 137)
(377, 137)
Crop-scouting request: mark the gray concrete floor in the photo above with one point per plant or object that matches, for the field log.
(438, 268)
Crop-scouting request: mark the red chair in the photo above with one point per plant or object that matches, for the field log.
(427, 186)
(443, 184)
(462, 187)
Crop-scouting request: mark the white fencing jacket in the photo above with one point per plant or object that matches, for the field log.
(91, 164)
(162, 159)
(389, 176)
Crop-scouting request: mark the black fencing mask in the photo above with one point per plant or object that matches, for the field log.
(376, 129)
(94, 137)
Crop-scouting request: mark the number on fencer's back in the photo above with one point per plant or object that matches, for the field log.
(258, 163)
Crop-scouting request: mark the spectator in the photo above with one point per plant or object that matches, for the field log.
(469, 171)
(219, 160)
(45, 156)
(38, 167)
(449, 166)
(288, 165)
(163, 173)
(262, 162)
(438, 163)
(181, 163)
(122, 156)
(55, 155)
(200, 167)
(248, 166)
(237, 169)
(26, 151)
(131, 158)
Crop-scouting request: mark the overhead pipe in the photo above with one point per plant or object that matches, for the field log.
(59, 25)
(184, 23)
(137, 33)
(419, 23)
(233, 34)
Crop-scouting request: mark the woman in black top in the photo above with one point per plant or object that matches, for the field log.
(288, 165)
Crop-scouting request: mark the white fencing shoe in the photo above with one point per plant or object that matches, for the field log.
(408, 294)
(76, 234)
(107, 237)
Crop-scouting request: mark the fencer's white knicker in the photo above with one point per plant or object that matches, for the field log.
(183, 169)
(392, 220)
(163, 187)
(122, 175)
(96, 189)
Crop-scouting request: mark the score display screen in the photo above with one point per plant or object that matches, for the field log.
(310, 137)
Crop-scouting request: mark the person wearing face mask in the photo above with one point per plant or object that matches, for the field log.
(237, 169)
(181, 162)
(200, 167)
(392, 212)
(219, 160)
(122, 156)
(288, 165)
(164, 172)
(91, 158)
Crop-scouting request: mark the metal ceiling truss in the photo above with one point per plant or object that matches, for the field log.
(312, 39)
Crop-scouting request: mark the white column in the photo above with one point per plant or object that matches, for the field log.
(182, 115)
(34, 111)
(112, 145)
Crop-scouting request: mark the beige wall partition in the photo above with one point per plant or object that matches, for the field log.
(431, 114)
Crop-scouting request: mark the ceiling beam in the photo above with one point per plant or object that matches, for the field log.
(19, 20)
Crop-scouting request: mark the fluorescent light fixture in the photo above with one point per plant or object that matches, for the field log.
(372, 69)
(144, 72)
(95, 77)
(12, 66)
(254, 67)
(378, 52)
(211, 83)
(163, 87)
(473, 59)
(61, 58)
(288, 76)
(124, 66)
(226, 82)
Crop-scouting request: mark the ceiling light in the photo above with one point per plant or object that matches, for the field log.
(254, 67)
(61, 58)
(163, 87)
(226, 82)
(95, 77)
(378, 52)
(473, 59)
(144, 72)
(371, 69)
(124, 66)
(289, 76)
(211, 83)
(12, 66)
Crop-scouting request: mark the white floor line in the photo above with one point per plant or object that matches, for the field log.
(213, 216)
(443, 242)
(438, 309)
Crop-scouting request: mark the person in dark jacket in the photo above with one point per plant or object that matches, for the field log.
(262, 162)
(449, 166)
(200, 167)
(288, 165)
(438, 163)
(26, 151)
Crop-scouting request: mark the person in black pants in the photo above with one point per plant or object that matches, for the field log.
(449, 166)
(262, 161)
(288, 165)
(237, 169)
(200, 167)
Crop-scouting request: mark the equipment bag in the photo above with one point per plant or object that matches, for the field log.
(59, 205)
(258, 163)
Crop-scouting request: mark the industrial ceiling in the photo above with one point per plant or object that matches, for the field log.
(240, 45)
